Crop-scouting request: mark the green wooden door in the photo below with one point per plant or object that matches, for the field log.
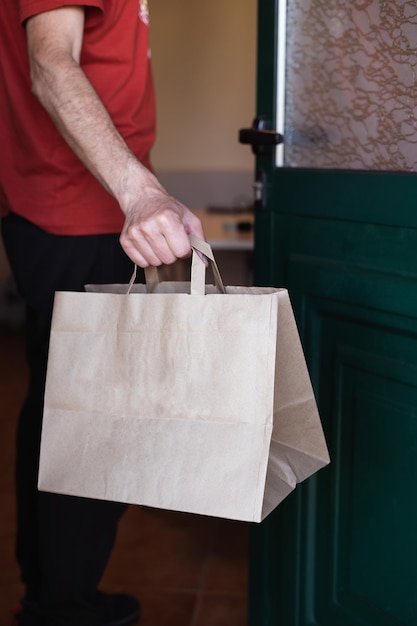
(342, 549)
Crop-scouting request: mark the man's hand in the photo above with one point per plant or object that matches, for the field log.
(156, 225)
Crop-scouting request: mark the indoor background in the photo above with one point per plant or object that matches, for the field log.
(188, 570)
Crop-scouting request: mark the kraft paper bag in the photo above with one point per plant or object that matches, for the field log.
(179, 396)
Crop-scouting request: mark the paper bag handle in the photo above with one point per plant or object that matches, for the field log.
(198, 267)
(198, 270)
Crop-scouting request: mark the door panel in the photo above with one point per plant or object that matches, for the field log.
(363, 347)
(342, 550)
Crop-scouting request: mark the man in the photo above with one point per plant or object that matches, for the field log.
(76, 128)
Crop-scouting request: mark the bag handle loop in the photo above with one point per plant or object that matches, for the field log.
(198, 270)
(198, 267)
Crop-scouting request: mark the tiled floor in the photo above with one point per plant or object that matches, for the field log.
(187, 570)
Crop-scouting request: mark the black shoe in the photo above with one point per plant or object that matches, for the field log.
(117, 609)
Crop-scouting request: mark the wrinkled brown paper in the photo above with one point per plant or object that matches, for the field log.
(197, 403)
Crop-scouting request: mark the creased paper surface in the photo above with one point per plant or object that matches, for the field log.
(193, 403)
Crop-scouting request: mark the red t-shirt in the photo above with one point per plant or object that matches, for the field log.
(41, 179)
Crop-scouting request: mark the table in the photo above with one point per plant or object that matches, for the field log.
(227, 230)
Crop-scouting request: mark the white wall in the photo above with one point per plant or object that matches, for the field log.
(204, 58)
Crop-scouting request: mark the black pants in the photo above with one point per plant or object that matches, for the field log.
(63, 543)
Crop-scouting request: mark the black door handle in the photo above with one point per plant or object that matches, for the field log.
(259, 137)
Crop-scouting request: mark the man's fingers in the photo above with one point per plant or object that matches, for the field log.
(156, 250)
(159, 234)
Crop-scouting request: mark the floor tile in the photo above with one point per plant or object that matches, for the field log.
(162, 608)
(161, 548)
(227, 563)
(221, 610)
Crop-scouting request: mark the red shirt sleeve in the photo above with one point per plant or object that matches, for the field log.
(29, 8)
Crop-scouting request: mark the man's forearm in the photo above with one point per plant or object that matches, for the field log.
(157, 226)
(77, 111)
